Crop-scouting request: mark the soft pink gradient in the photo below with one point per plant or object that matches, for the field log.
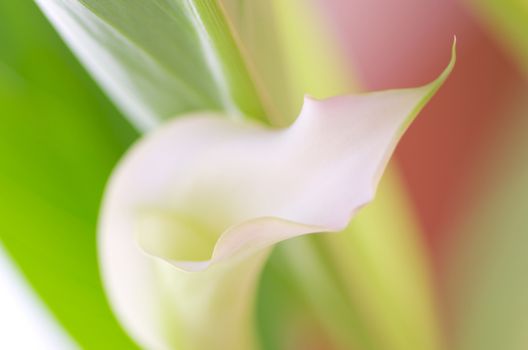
(403, 43)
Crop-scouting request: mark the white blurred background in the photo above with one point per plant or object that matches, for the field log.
(25, 324)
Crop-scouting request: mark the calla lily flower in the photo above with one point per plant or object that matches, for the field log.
(191, 212)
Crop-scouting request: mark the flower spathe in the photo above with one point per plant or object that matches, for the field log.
(203, 195)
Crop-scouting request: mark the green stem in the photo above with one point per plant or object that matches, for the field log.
(225, 60)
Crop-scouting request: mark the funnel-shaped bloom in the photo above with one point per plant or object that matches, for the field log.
(190, 210)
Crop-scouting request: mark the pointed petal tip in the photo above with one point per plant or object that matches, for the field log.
(449, 68)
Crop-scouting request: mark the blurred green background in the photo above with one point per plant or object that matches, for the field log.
(59, 139)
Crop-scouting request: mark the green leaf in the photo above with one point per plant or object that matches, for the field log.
(59, 139)
(158, 58)
(161, 58)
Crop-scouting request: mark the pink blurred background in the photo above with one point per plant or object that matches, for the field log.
(445, 154)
